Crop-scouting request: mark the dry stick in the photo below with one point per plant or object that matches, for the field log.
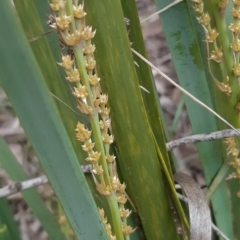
(184, 91)
(202, 137)
(19, 186)
(162, 10)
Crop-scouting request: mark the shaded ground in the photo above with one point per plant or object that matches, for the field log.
(169, 97)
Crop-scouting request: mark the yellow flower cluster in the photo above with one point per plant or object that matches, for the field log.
(233, 151)
(235, 29)
(106, 224)
(211, 34)
(211, 38)
(80, 69)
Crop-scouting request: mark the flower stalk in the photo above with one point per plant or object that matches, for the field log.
(80, 68)
(217, 53)
(229, 62)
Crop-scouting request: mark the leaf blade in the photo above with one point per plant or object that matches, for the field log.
(34, 107)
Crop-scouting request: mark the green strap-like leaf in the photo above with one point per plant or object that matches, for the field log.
(31, 196)
(138, 160)
(25, 87)
(7, 223)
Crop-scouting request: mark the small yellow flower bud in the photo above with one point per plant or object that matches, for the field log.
(236, 70)
(115, 183)
(110, 158)
(108, 139)
(235, 27)
(73, 76)
(217, 55)
(78, 11)
(80, 92)
(63, 21)
(57, 6)
(211, 35)
(122, 199)
(93, 80)
(124, 213)
(225, 87)
(67, 62)
(93, 157)
(103, 99)
(104, 111)
(112, 237)
(98, 170)
(127, 229)
(82, 134)
(90, 63)
(230, 142)
(88, 146)
(204, 19)
(104, 125)
(108, 229)
(234, 152)
(236, 46)
(88, 34)
(121, 188)
(72, 39)
(198, 8)
(235, 12)
(89, 49)
(101, 213)
(236, 2)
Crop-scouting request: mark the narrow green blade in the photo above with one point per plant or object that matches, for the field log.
(189, 64)
(25, 87)
(145, 78)
(47, 52)
(31, 196)
(138, 160)
(7, 220)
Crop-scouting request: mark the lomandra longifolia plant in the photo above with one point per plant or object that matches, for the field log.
(209, 47)
(223, 52)
(141, 152)
(102, 54)
(79, 66)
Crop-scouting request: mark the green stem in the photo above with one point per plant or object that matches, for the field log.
(81, 62)
(116, 219)
(69, 11)
(172, 188)
(94, 120)
(221, 175)
(222, 29)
